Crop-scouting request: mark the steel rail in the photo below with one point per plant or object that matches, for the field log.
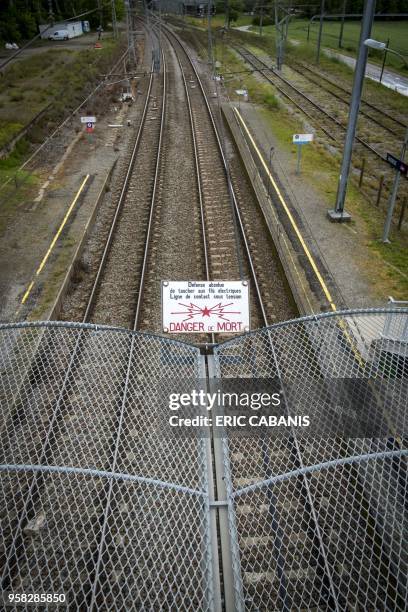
(348, 92)
(198, 173)
(252, 59)
(225, 166)
(119, 206)
(35, 485)
(244, 53)
(124, 398)
(152, 202)
(198, 170)
(341, 99)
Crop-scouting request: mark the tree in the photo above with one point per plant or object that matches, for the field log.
(232, 10)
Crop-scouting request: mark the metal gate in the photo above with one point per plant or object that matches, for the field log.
(99, 506)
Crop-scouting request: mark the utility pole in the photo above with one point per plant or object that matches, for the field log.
(227, 14)
(100, 13)
(343, 12)
(261, 21)
(114, 23)
(394, 192)
(210, 44)
(319, 39)
(50, 12)
(279, 38)
(338, 213)
(129, 26)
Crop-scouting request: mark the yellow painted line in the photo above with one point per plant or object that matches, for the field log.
(54, 240)
(312, 262)
(290, 217)
(27, 293)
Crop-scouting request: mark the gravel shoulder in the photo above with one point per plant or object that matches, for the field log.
(32, 225)
(341, 246)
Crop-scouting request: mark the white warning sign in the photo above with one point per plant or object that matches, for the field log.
(205, 307)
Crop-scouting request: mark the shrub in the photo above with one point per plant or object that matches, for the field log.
(270, 101)
(17, 96)
(267, 20)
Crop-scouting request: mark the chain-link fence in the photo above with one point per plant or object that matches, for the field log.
(319, 521)
(97, 504)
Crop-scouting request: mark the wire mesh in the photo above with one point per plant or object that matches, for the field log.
(319, 522)
(96, 503)
(99, 505)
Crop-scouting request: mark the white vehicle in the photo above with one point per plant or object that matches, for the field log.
(59, 35)
(62, 30)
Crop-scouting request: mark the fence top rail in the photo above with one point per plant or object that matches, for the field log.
(391, 309)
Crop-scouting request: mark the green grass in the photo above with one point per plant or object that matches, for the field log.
(333, 67)
(386, 265)
(396, 31)
(8, 131)
(259, 92)
(218, 21)
(58, 76)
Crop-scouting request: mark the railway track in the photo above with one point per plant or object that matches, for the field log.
(372, 112)
(108, 510)
(172, 202)
(305, 103)
(53, 441)
(289, 562)
(51, 436)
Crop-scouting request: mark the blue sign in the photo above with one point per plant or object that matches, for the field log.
(398, 164)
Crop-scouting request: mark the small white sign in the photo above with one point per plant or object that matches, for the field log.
(302, 138)
(88, 119)
(217, 307)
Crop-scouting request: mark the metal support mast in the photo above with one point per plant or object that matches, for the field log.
(319, 39)
(210, 42)
(393, 197)
(281, 30)
(338, 213)
(114, 22)
(130, 31)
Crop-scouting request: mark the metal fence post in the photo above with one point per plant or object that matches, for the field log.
(360, 182)
(394, 192)
(384, 58)
(380, 188)
(402, 213)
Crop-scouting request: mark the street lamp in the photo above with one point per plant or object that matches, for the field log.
(382, 46)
